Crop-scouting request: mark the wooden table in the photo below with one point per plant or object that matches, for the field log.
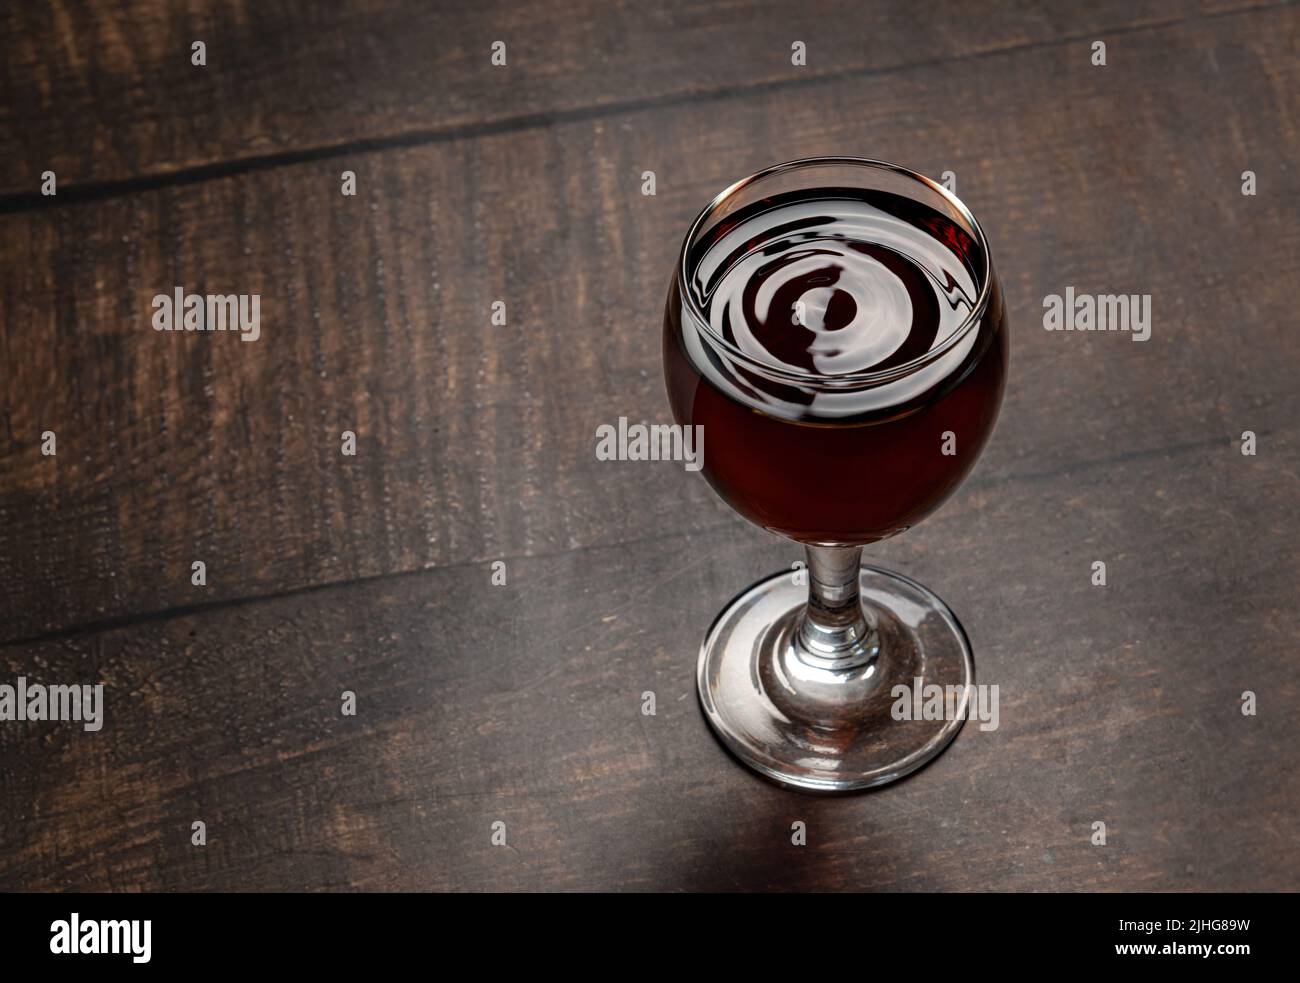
(479, 703)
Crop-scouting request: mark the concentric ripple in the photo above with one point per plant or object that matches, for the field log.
(833, 287)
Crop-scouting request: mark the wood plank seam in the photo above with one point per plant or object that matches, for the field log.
(72, 194)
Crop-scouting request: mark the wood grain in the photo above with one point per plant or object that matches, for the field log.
(521, 703)
(477, 442)
(103, 93)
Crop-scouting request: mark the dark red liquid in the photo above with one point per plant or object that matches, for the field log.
(816, 289)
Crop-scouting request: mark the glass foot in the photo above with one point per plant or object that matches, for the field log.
(831, 724)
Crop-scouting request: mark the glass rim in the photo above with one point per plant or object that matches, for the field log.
(973, 318)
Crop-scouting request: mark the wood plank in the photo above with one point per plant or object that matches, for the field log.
(522, 704)
(109, 94)
(476, 442)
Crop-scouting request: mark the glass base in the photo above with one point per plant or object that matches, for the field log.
(816, 725)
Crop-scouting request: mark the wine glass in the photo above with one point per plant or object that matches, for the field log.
(835, 326)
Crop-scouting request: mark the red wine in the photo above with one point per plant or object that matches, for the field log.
(842, 392)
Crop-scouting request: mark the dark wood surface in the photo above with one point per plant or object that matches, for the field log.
(522, 703)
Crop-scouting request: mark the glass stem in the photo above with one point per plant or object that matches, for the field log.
(836, 632)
